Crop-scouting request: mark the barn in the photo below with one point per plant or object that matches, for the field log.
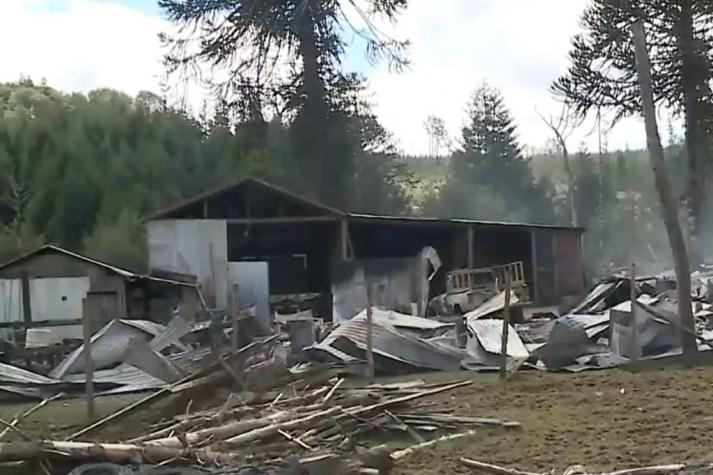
(278, 246)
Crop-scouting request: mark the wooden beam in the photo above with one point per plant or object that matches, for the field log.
(471, 249)
(87, 318)
(26, 307)
(555, 265)
(506, 326)
(286, 220)
(535, 270)
(344, 240)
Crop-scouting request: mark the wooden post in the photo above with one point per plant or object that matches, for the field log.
(471, 249)
(663, 186)
(369, 336)
(506, 326)
(634, 326)
(235, 310)
(87, 318)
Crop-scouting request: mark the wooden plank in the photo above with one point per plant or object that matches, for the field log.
(87, 319)
(26, 307)
(369, 336)
(235, 314)
(471, 248)
(283, 220)
(506, 326)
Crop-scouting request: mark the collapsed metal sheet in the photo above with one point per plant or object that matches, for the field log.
(170, 335)
(489, 334)
(108, 345)
(570, 339)
(495, 304)
(390, 345)
(140, 354)
(655, 335)
(401, 320)
(14, 375)
(597, 294)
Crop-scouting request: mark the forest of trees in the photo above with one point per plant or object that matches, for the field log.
(84, 170)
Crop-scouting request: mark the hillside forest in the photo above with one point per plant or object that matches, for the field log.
(84, 170)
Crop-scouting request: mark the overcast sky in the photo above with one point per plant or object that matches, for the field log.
(519, 46)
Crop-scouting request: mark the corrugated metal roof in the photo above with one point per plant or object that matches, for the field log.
(166, 213)
(434, 220)
(495, 304)
(13, 374)
(108, 345)
(243, 181)
(391, 344)
(125, 273)
(396, 319)
(489, 333)
(124, 374)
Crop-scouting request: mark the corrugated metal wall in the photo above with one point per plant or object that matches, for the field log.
(193, 246)
(11, 300)
(254, 288)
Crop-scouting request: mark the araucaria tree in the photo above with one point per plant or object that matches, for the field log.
(602, 75)
(286, 52)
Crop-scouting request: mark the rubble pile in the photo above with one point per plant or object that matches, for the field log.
(245, 408)
(596, 333)
(313, 424)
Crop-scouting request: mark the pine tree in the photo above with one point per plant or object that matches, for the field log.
(491, 157)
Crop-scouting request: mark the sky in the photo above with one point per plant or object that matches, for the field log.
(518, 46)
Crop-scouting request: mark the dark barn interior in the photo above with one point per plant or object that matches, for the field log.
(301, 240)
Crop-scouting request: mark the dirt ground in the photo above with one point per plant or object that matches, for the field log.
(603, 420)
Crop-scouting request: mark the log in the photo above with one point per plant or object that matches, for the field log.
(653, 470)
(333, 390)
(222, 432)
(115, 453)
(424, 445)
(179, 385)
(407, 398)
(273, 429)
(495, 469)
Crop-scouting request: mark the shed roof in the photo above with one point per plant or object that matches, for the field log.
(322, 209)
(125, 273)
(182, 205)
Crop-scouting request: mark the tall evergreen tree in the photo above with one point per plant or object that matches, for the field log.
(248, 39)
(491, 157)
(603, 72)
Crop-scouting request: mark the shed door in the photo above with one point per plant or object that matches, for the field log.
(57, 298)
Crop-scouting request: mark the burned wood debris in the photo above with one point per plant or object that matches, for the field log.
(259, 406)
(276, 419)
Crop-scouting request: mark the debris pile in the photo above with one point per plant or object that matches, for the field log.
(313, 421)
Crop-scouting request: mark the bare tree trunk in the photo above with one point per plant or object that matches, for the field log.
(668, 204)
(693, 81)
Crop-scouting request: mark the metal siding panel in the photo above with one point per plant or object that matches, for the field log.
(192, 246)
(11, 300)
(253, 279)
(57, 298)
